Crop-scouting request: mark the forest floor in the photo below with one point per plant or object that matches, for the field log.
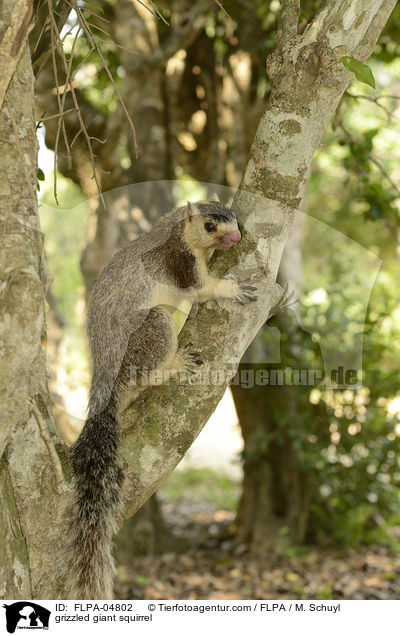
(209, 566)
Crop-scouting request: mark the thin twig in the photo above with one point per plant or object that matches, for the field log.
(159, 15)
(70, 110)
(85, 59)
(118, 46)
(105, 65)
(155, 11)
(147, 8)
(53, 39)
(68, 33)
(384, 172)
(43, 44)
(45, 24)
(67, 82)
(184, 33)
(223, 9)
(94, 26)
(88, 125)
(97, 15)
(375, 100)
(56, 44)
(78, 112)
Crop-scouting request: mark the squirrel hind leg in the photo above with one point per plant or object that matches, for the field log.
(152, 357)
(149, 357)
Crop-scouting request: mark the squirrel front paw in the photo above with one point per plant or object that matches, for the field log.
(246, 292)
(240, 291)
(190, 360)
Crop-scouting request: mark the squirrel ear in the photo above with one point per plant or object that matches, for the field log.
(190, 210)
(215, 197)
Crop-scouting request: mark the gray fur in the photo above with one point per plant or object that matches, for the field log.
(131, 331)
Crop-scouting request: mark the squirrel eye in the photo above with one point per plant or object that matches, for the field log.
(210, 227)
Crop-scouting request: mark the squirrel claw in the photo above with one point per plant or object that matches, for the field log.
(246, 292)
(191, 359)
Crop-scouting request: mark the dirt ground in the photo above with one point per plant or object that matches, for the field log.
(207, 565)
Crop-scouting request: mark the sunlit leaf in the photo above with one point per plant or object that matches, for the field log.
(362, 72)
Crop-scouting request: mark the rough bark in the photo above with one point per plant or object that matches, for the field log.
(30, 473)
(15, 24)
(307, 84)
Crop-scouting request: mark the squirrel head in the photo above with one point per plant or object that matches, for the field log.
(210, 225)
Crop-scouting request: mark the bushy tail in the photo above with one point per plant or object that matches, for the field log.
(98, 480)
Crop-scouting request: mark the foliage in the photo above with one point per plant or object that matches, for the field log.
(362, 71)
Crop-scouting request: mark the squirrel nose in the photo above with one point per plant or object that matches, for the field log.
(233, 237)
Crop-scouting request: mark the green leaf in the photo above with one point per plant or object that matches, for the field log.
(94, 6)
(40, 174)
(362, 72)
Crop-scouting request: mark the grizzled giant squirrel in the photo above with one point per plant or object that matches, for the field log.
(132, 331)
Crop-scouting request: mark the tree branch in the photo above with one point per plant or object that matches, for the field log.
(288, 21)
(376, 25)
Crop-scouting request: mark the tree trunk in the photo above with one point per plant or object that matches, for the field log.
(277, 492)
(30, 469)
(15, 25)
